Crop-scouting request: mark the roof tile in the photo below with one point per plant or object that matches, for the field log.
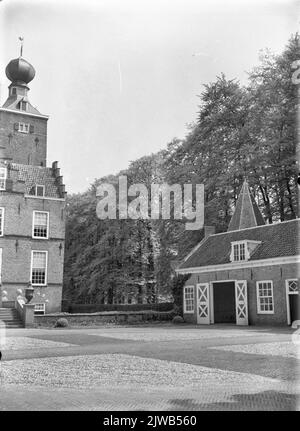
(277, 240)
(37, 175)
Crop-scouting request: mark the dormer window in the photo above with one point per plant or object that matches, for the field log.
(242, 250)
(239, 251)
(22, 105)
(37, 190)
(40, 190)
(3, 174)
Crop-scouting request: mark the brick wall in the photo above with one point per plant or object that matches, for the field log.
(17, 244)
(277, 273)
(105, 318)
(23, 147)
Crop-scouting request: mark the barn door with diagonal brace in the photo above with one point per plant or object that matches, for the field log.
(241, 302)
(203, 315)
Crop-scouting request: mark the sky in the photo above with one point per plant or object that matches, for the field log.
(121, 79)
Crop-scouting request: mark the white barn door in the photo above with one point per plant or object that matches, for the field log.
(203, 311)
(241, 302)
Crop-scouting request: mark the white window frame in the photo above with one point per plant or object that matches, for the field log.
(46, 268)
(3, 179)
(25, 104)
(259, 311)
(2, 211)
(33, 224)
(238, 244)
(40, 308)
(43, 187)
(288, 293)
(192, 288)
(23, 126)
(291, 292)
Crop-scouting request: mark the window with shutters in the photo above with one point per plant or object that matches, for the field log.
(1, 221)
(23, 127)
(40, 226)
(3, 174)
(39, 268)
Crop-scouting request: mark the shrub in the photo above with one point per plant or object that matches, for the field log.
(177, 319)
(177, 291)
(61, 323)
(94, 308)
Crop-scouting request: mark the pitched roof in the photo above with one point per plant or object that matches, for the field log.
(277, 240)
(37, 175)
(247, 213)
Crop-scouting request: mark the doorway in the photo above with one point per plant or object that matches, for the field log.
(294, 307)
(224, 302)
(292, 300)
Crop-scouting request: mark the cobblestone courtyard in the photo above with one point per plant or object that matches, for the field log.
(150, 368)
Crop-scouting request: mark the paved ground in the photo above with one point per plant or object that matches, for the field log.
(159, 367)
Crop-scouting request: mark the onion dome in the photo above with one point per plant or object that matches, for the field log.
(20, 71)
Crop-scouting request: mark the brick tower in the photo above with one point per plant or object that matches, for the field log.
(32, 200)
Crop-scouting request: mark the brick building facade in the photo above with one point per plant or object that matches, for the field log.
(32, 200)
(247, 275)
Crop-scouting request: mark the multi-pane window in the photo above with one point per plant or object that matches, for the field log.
(265, 300)
(2, 178)
(40, 224)
(39, 308)
(23, 127)
(188, 299)
(1, 221)
(239, 251)
(39, 267)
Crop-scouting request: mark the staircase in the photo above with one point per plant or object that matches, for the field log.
(10, 318)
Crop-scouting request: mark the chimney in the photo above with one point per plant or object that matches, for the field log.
(54, 165)
(209, 230)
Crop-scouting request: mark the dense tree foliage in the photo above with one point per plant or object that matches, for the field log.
(241, 131)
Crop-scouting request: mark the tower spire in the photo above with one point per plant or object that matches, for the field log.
(247, 213)
(21, 39)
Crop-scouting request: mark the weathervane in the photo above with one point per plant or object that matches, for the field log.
(21, 39)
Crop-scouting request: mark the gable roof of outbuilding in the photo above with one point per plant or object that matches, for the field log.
(277, 240)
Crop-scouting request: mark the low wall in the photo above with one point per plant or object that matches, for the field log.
(8, 304)
(104, 318)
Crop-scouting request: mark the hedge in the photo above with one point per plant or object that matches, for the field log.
(94, 308)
